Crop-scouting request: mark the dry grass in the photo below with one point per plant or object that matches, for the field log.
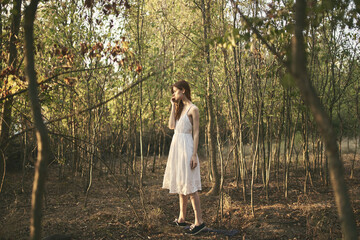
(108, 214)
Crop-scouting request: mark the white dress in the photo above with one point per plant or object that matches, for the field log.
(179, 177)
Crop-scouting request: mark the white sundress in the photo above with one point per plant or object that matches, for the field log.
(179, 177)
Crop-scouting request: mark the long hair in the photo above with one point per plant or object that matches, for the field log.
(179, 106)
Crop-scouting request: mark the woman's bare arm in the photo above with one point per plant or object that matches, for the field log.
(172, 117)
(195, 117)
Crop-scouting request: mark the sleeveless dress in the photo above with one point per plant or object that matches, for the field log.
(179, 177)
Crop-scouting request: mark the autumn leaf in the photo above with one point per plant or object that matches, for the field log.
(84, 48)
(138, 69)
(70, 80)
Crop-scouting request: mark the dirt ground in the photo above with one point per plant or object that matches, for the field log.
(108, 213)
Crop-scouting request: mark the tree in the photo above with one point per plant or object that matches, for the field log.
(299, 71)
(210, 130)
(42, 137)
(12, 66)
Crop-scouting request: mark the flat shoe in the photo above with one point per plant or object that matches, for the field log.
(177, 223)
(193, 230)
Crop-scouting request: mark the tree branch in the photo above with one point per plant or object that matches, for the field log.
(50, 78)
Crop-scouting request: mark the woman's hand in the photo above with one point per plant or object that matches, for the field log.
(172, 100)
(193, 161)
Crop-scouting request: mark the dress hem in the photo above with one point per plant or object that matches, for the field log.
(170, 192)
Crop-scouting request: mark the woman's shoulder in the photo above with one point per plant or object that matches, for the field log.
(194, 108)
(193, 105)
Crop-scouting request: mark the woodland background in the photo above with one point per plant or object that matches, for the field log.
(104, 69)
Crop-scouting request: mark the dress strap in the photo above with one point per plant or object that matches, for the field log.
(189, 109)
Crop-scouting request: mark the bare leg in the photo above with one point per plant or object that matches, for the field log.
(195, 201)
(183, 200)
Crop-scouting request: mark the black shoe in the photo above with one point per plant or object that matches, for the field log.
(176, 223)
(195, 229)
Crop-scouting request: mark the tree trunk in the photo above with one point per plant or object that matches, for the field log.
(42, 137)
(12, 64)
(211, 130)
(254, 156)
(356, 131)
(336, 168)
(1, 28)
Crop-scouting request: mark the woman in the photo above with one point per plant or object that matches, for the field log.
(182, 173)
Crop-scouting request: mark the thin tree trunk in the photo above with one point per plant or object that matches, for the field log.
(308, 93)
(91, 165)
(255, 153)
(6, 120)
(269, 159)
(211, 130)
(41, 131)
(139, 27)
(1, 28)
(289, 156)
(129, 145)
(24, 158)
(221, 158)
(306, 149)
(354, 158)
(356, 131)
(3, 170)
(12, 64)
(2, 155)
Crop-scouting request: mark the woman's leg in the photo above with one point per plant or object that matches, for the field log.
(195, 201)
(183, 200)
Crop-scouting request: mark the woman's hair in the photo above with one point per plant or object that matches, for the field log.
(182, 85)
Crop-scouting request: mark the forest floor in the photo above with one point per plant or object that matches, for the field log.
(109, 215)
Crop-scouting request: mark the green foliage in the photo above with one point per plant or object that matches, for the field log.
(165, 40)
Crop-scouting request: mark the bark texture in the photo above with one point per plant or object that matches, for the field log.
(43, 143)
(211, 130)
(336, 168)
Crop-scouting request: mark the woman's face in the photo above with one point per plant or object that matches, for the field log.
(178, 94)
